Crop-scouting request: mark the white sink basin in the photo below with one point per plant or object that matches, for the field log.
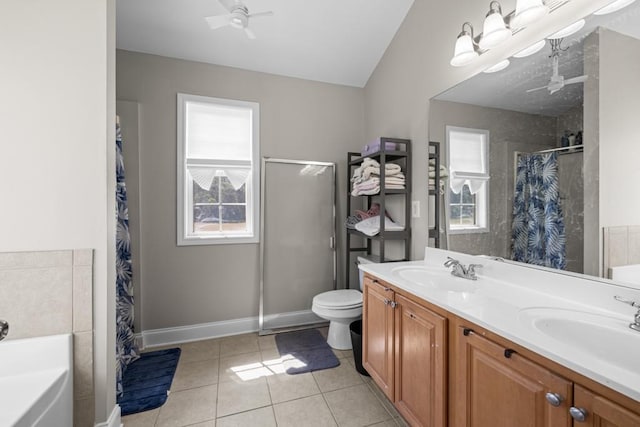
(606, 338)
(435, 278)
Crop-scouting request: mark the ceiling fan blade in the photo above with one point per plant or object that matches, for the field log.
(228, 4)
(537, 88)
(250, 34)
(218, 21)
(579, 79)
(259, 14)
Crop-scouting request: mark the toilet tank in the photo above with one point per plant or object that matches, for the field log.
(362, 260)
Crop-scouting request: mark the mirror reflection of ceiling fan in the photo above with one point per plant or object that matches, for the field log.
(238, 17)
(557, 81)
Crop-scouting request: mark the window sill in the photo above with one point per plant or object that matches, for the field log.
(227, 240)
(478, 230)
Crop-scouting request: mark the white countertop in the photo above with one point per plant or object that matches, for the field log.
(534, 307)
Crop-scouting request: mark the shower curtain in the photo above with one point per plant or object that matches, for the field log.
(538, 234)
(126, 350)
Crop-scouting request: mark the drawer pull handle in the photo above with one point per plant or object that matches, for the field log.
(508, 352)
(387, 289)
(578, 414)
(554, 399)
(467, 331)
(386, 301)
(375, 281)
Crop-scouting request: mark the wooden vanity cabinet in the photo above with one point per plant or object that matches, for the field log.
(404, 351)
(497, 387)
(601, 412)
(377, 334)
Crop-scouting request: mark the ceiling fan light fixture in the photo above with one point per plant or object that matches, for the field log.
(567, 31)
(465, 51)
(498, 67)
(528, 11)
(613, 7)
(494, 30)
(534, 48)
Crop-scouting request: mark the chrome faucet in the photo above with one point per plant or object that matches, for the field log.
(459, 270)
(4, 329)
(636, 319)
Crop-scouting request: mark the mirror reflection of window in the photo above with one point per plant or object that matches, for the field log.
(468, 154)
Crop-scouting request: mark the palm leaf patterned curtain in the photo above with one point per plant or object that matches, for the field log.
(538, 233)
(126, 350)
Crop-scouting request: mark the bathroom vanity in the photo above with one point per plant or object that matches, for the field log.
(519, 346)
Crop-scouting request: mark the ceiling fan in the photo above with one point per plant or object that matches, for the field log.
(557, 81)
(238, 17)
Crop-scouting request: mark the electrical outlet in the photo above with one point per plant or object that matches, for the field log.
(415, 209)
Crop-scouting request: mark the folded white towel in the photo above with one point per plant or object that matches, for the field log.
(371, 226)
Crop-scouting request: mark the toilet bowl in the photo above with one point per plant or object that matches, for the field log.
(340, 308)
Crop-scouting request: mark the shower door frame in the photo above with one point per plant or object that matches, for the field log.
(332, 239)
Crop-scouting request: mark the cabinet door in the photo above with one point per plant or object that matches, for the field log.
(420, 364)
(377, 342)
(503, 389)
(601, 412)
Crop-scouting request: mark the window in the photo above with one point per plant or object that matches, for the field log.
(468, 154)
(218, 151)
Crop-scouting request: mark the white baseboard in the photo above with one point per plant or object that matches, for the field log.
(203, 331)
(115, 420)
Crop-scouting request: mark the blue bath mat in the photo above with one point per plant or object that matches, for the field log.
(147, 380)
(305, 351)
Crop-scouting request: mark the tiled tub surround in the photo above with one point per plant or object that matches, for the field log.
(501, 297)
(49, 293)
(239, 381)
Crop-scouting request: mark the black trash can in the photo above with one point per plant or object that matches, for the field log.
(356, 344)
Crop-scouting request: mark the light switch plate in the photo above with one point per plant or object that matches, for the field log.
(415, 209)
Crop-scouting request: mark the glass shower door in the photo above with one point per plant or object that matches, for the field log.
(297, 245)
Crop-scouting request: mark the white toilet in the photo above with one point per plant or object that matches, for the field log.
(340, 308)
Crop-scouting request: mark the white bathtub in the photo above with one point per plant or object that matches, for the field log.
(36, 381)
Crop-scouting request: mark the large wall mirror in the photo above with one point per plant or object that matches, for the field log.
(584, 132)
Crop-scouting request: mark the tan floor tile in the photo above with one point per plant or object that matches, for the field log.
(210, 423)
(342, 354)
(195, 374)
(242, 367)
(200, 350)
(382, 398)
(234, 397)
(239, 344)
(285, 387)
(188, 407)
(270, 354)
(342, 376)
(387, 423)
(267, 342)
(141, 419)
(262, 417)
(355, 407)
(309, 412)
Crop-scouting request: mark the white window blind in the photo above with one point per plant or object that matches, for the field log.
(468, 158)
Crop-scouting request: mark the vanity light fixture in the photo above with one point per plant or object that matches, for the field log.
(498, 67)
(494, 31)
(613, 7)
(567, 31)
(465, 50)
(536, 47)
(528, 11)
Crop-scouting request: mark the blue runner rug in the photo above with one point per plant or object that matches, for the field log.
(308, 351)
(147, 380)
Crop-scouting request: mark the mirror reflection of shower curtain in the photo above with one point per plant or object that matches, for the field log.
(538, 233)
(297, 248)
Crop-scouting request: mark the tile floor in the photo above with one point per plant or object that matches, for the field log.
(240, 381)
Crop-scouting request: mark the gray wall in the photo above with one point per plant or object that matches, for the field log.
(416, 68)
(299, 120)
(509, 131)
(57, 156)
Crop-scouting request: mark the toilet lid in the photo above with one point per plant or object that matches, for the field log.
(342, 298)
